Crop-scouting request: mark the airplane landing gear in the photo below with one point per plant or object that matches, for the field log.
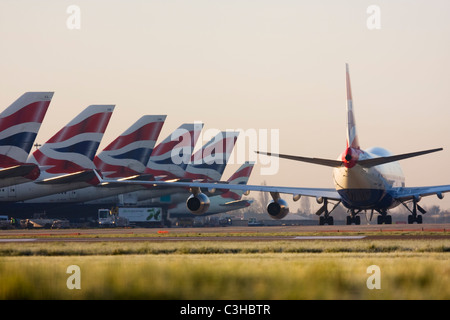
(414, 217)
(384, 218)
(326, 218)
(354, 218)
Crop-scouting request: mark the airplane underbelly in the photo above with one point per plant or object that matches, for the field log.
(361, 188)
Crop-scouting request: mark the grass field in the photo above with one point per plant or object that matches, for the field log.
(409, 269)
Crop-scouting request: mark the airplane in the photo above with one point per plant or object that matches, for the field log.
(130, 160)
(126, 156)
(66, 159)
(365, 181)
(19, 125)
(228, 201)
(207, 164)
(180, 142)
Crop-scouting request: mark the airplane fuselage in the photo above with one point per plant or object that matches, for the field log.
(365, 188)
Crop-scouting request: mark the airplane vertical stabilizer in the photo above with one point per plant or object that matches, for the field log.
(19, 126)
(210, 161)
(73, 148)
(241, 176)
(171, 156)
(128, 154)
(352, 136)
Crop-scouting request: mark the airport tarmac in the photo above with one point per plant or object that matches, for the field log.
(232, 233)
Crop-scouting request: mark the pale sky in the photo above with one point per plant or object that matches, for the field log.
(245, 65)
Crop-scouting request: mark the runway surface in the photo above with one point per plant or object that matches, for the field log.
(232, 233)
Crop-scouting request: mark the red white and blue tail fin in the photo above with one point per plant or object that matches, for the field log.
(129, 153)
(171, 156)
(241, 176)
(19, 125)
(73, 148)
(210, 161)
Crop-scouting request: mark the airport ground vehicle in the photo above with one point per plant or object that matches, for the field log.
(39, 221)
(130, 216)
(5, 223)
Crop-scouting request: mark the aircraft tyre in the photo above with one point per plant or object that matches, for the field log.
(326, 220)
(356, 220)
(417, 218)
(384, 219)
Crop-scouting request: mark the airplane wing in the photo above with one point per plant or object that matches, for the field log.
(330, 193)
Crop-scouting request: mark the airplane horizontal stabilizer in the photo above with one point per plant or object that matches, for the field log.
(20, 170)
(366, 163)
(323, 162)
(81, 176)
(382, 160)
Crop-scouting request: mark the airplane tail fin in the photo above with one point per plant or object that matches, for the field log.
(210, 161)
(128, 154)
(19, 126)
(241, 176)
(171, 156)
(352, 143)
(352, 136)
(73, 148)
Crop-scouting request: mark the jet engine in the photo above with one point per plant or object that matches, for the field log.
(198, 203)
(278, 209)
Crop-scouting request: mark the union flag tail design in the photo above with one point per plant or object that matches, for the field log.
(209, 162)
(129, 153)
(241, 176)
(73, 148)
(170, 158)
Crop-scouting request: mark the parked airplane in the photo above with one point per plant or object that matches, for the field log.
(225, 202)
(126, 156)
(369, 180)
(19, 125)
(179, 144)
(66, 159)
(207, 164)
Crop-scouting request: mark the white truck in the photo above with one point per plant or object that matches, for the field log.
(5, 223)
(109, 219)
(126, 216)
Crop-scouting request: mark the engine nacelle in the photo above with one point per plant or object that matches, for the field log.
(278, 209)
(198, 204)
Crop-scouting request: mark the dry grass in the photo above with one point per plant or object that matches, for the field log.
(227, 270)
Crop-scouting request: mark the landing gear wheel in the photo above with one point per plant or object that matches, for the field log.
(384, 219)
(412, 219)
(356, 220)
(326, 220)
